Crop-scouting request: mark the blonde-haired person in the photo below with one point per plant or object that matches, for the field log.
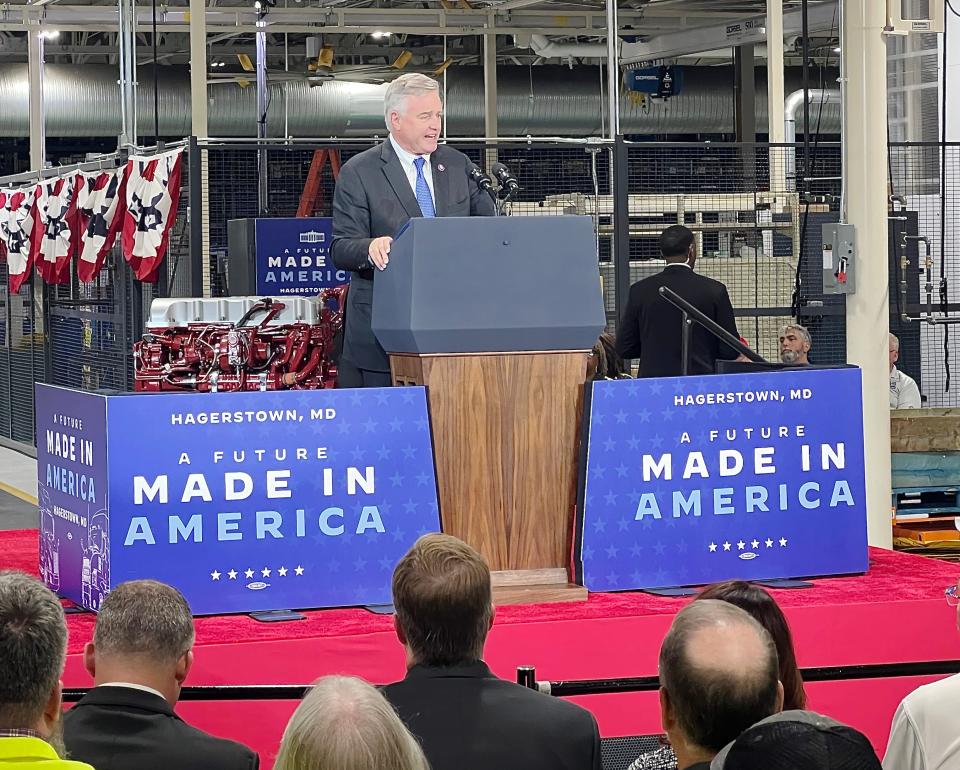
(344, 723)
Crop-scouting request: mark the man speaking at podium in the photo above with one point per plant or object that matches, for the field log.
(652, 328)
(409, 175)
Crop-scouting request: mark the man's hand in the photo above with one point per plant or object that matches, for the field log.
(379, 251)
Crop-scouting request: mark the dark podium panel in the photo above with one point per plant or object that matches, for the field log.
(490, 284)
(497, 317)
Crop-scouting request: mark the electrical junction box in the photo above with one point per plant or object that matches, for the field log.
(839, 253)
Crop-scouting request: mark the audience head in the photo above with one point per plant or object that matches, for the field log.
(677, 245)
(442, 595)
(413, 111)
(798, 740)
(346, 724)
(761, 607)
(144, 635)
(795, 344)
(33, 647)
(894, 351)
(609, 364)
(718, 676)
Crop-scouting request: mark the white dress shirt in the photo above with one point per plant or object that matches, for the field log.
(406, 160)
(904, 393)
(925, 734)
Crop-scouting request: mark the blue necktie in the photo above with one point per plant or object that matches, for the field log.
(423, 190)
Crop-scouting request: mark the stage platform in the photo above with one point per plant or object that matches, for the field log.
(895, 615)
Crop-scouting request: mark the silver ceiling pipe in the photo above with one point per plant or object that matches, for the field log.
(535, 101)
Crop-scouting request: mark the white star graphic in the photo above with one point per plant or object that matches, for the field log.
(248, 574)
(769, 543)
(726, 546)
(298, 570)
(265, 572)
(232, 574)
(741, 545)
(713, 547)
(215, 575)
(783, 542)
(282, 572)
(754, 544)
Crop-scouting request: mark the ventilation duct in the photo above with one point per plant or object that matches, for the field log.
(536, 101)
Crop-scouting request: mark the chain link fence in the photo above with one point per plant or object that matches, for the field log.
(80, 335)
(757, 211)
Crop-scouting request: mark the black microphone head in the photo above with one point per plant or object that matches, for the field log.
(481, 179)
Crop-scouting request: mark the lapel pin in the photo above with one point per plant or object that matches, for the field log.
(441, 167)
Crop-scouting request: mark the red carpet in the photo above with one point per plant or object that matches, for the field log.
(895, 613)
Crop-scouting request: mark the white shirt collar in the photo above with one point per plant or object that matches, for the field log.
(679, 264)
(132, 686)
(406, 158)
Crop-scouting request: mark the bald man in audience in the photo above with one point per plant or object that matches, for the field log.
(718, 676)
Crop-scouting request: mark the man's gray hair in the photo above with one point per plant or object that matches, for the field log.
(714, 704)
(894, 342)
(801, 330)
(33, 646)
(144, 617)
(411, 84)
(344, 723)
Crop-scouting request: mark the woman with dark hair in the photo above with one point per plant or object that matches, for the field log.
(762, 607)
(768, 614)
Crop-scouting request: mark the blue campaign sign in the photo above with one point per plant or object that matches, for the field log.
(691, 480)
(73, 493)
(293, 256)
(251, 501)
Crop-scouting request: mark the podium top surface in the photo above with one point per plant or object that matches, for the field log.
(490, 284)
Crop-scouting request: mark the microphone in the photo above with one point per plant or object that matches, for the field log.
(504, 177)
(479, 178)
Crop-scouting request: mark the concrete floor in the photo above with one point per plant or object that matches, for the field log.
(18, 490)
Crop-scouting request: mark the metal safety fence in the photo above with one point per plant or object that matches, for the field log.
(79, 334)
(757, 211)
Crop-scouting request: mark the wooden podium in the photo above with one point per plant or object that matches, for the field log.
(505, 421)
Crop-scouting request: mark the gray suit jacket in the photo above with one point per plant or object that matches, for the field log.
(373, 198)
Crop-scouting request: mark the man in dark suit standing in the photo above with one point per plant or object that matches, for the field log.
(139, 657)
(409, 175)
(651, 328)
(465, 717)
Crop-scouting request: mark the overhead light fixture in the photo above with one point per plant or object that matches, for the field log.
(50, 34)
(379, 35)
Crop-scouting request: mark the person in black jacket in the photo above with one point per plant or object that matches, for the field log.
(377, 192)
(139, 657)
(651, 328)
(465, 717)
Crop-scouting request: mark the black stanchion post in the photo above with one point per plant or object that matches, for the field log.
(527, 676)
(621, 225)
(195, 180)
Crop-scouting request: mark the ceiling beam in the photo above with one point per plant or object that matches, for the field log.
(318, 20)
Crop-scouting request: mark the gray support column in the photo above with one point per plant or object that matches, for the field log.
(775, 93)
(38, 139)
(745, 112)
(199, 204)
(491, 128)
(198, 69)
(745, 96)
(262, 104)
(868, 316)
(128, 72)
(613, 69)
